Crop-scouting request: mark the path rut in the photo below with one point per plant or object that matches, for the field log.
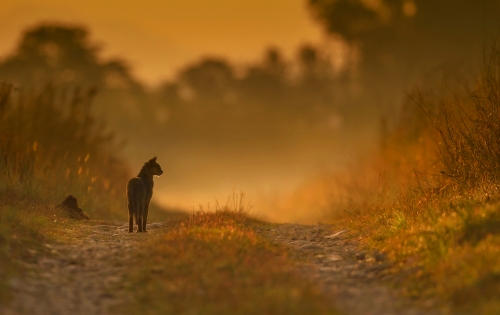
(80, 278)
(359, 282)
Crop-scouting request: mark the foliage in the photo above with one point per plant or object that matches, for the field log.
(59, 53)
(397, 40)
(381, 22)
(65, 55)
(436, 206)
(51, 146)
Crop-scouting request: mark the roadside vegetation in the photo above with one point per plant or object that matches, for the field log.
(430, 198)
(214, 263)
(51, 146)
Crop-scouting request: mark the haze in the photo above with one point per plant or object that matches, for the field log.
(246, 96)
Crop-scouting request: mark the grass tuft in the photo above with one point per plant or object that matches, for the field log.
(213, 263)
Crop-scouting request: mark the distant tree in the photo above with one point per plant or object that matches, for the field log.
(313, 66)
(316, 75)
(266, 82)
(59, 53)
(63, 54)
(267, 86)
(403, 31)
(274, 63)
(397, 41)
(210, 81)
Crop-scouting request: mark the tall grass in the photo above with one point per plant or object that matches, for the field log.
(430, 197)
(51, 146)
(469, 128)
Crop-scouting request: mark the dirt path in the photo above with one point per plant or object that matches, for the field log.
(77, 278)
(358, 282)
(81, 278)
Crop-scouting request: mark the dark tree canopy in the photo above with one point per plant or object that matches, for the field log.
(406, 28)
(399, 40)
(63, 54)
(362, 19)
(207, 80)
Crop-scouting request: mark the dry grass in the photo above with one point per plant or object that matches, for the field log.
(435, 206)
(468, 127)
(51, 146)
(213, 263)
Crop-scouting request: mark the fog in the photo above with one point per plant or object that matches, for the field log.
(272, 128)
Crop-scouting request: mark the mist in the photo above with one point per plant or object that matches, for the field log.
(271, 129)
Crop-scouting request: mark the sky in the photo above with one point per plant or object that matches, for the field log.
(158, 37)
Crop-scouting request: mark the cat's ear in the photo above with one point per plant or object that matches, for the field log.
(154, 159)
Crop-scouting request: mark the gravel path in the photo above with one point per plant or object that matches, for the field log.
(84, 277)
(78, 278)
(359, 282)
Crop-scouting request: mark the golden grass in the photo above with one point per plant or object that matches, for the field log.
(213, 263)
(450, 249)
(430, 198)
(51, 147)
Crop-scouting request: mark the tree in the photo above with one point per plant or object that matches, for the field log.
(63, 54)
(210, 81)
(265, 83)
(397, 37)
(53, 52)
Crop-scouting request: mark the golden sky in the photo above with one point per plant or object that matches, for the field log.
(158, 37)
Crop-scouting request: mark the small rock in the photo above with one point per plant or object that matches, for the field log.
(311, 247)
(379, 267)
(334, 235)
(155, 225)
(329, 269)
(360, 256)
(357, 273)
(107, 295)
(335, 257)
(73, 261)
(299, 243)
(379, 256)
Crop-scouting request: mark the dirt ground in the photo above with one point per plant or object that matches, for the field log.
(359, 282)
(85, 276)
(77, 278)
